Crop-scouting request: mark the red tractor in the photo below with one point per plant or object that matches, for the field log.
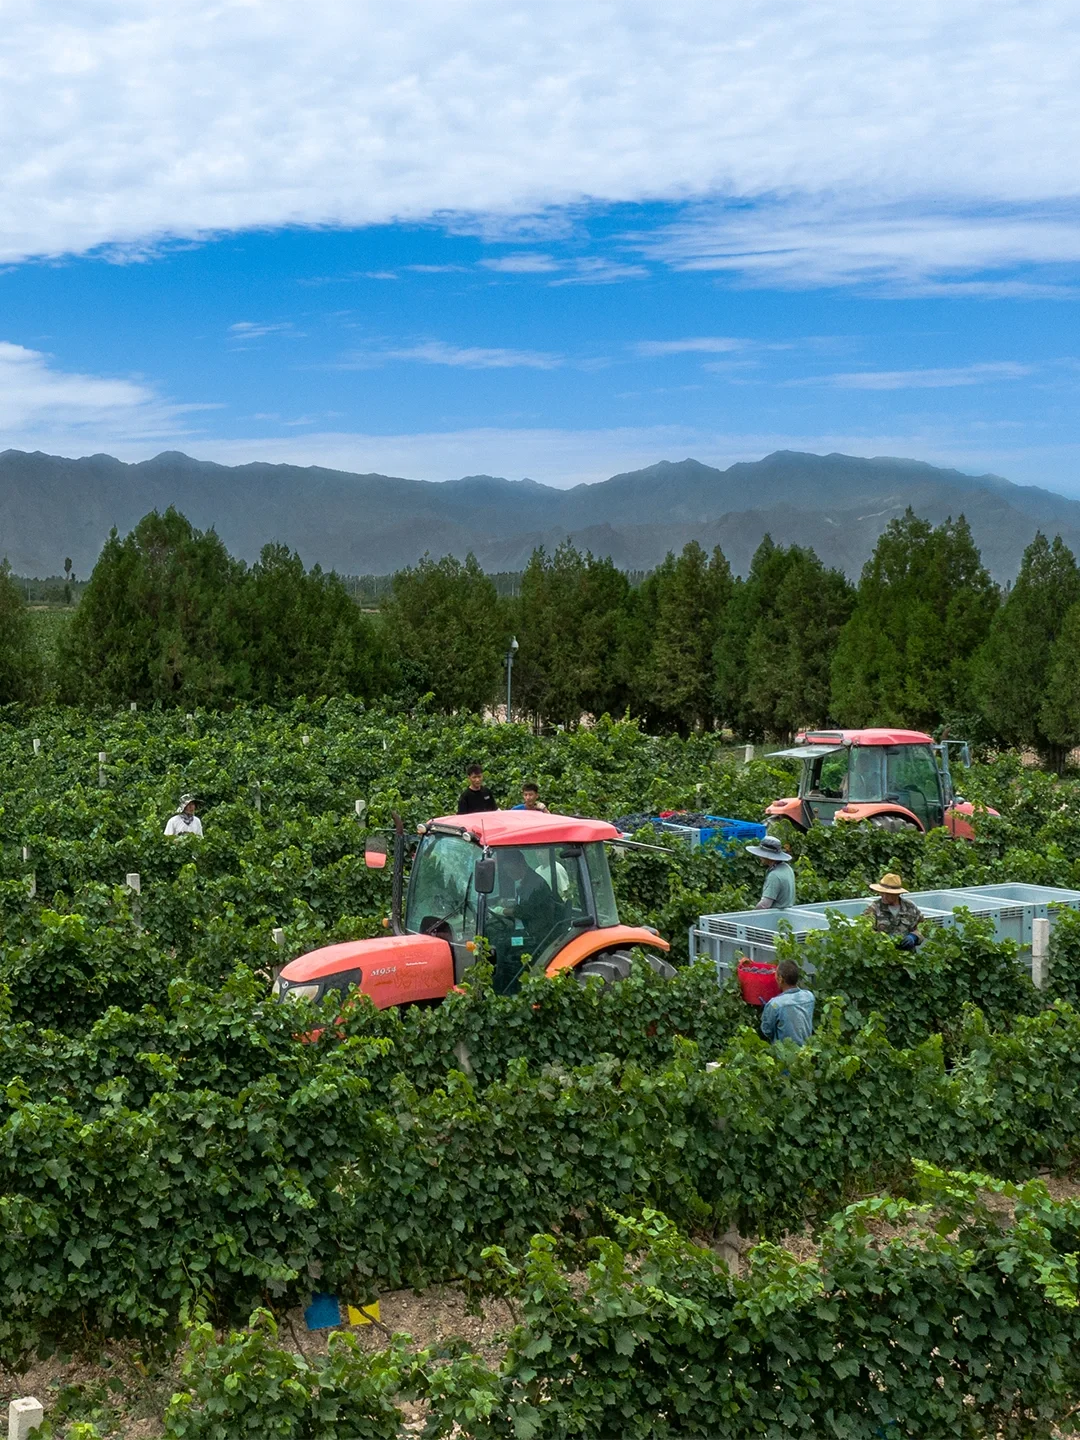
(536, 887)
(895, 779)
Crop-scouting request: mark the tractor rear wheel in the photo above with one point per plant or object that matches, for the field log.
(615, 965)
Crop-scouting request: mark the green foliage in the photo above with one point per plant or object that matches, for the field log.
(680, 609)
(170, 617)
(446, 632)
(1017, 660)
(570, 617)
(960, 1325)
(21, 669)
(923, 992)
(777, 640)
(247, 1385)
(924, 605)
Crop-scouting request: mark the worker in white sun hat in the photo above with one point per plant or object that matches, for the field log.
(185, 821)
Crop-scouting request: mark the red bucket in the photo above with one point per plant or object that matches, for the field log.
(758, 981)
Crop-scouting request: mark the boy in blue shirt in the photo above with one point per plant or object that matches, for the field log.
(789, 1015)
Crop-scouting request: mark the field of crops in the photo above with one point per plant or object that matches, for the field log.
(174, 1158)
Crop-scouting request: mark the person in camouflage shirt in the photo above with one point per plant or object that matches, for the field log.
(894, 915)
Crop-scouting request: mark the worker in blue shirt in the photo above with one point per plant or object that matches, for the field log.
(789, 1015)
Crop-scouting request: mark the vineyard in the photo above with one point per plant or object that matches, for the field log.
(180, 1170)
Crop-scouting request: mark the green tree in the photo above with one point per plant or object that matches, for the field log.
(801, 608)
(20, 666)
(304, 635)
(1059, 714)
(678, 615)
(447, 632)
(159, 620)
(1021, 657)
(924, 605)
(568, 620)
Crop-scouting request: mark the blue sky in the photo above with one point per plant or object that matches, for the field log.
(555, 244)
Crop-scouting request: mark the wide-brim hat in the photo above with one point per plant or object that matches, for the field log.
(890, 885)
(769, 849)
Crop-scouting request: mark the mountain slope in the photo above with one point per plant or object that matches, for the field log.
(52, 507)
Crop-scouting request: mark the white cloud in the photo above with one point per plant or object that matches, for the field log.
(474, 357)
(253, 330)
(74, 409)
(940, 379)
(132, 122)
(699, 344)
(596, 271)
(798, 243)
(522, 264)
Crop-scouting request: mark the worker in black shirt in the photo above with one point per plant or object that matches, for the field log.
(477, 796)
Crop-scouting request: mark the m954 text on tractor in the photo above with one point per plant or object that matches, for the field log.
(535, 887)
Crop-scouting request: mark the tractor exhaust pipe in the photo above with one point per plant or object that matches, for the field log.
(397, 920)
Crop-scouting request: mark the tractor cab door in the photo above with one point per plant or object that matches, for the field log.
(544, 895)
(442, 895)
(825, 784)
(913, 779)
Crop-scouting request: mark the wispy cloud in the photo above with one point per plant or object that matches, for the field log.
(941, 379)
(698, 344)
(597, 271)
(36, 397)
(470, 357)
(256, 330)
(525, 263)
(918, 248)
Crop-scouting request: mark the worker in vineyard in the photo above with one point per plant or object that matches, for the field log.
(476, 796)
(778, 892)
(530, 798)
(789, 1015)
(185, 821)
(894, 915)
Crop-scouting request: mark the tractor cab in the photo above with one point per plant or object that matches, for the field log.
(896, 779)
(535, 887)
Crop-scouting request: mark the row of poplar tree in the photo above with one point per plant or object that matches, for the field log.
(926, 637)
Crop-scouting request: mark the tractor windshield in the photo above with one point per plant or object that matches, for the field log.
(442, 896)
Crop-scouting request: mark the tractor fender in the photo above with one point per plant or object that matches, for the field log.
(958, 818)
(592, 942)
(855, 811)
(791, 808)
(394, 969)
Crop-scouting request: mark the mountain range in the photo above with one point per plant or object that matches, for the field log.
(52, 508)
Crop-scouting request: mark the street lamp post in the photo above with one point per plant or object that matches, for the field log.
(509, 674)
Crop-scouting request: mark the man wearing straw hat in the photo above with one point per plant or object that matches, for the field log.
(778, 891)
(893, 915)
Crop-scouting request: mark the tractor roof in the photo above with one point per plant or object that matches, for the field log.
(529, 827)
(864, 737)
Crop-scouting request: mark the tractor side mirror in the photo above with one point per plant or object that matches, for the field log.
(484, 877)
(375, 852)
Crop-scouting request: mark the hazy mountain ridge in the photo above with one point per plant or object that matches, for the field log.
(52, 507)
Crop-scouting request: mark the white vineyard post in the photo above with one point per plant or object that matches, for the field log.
(101, 777)
(1040, 952)
(748, 754)
(134, 883)
(24, 1417)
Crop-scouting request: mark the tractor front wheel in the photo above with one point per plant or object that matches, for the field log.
(892, 823)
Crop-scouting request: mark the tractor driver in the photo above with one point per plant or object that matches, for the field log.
(525, 912)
